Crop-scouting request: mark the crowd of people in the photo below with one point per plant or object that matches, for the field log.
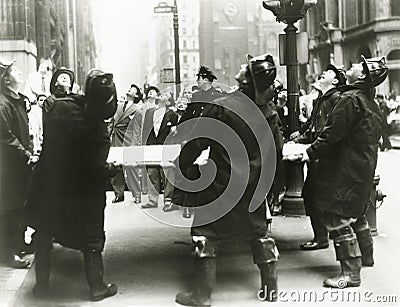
(54, 172)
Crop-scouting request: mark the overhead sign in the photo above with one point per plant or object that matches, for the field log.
(163, 8)
(167, 75)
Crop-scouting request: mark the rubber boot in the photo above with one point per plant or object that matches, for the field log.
(205, 280)
(265, 255)
(43, 246)
(269, 282)
(349, 254)
(366, 244)
(94, 274)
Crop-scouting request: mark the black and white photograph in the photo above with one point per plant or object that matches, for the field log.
(199, 153)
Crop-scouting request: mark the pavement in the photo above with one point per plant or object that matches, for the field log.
(151, 262)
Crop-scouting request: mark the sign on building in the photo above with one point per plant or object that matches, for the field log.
(167, 75)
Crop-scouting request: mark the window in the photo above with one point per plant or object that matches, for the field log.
(395, 7)
(185, 59)
(184, 31)
(394, 55)
(194, 44)
(184, 44)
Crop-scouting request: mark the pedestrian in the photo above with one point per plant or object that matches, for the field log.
(157, 125)
(239, 223)
(385, 111)
(126, 113)
(150, 100)
(67, 198)
(15, 164)
(347, 153)
(329, 83)
(36, 123)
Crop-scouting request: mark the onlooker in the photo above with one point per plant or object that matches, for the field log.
(67, 198)
(385, 111)
(15, 157)
(38, 82)
(125, 113)
(329, 83)
(347, 152)
(36, 123)
(157, 125)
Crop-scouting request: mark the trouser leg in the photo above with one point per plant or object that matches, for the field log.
(204, 281)
(118, 183)
(93, 263)
(133, 181)
(43, 245)
(265, 256)
(349, 254)
(168, 178)
(319, 229)
(153, 184)
(365, 241)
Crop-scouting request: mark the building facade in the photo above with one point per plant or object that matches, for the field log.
(341, 30)
(229, 29)
(161, 71)
(59, 30)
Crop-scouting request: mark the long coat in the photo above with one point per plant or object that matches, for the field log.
(15, 150)
(346, 151)
(238, 223)
(169, 120)
(312, 128)
(123, 121)
(67, 197)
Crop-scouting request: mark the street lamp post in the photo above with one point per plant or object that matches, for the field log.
(161, 8)
(289, 12)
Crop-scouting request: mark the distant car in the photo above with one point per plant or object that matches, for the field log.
(394, 122)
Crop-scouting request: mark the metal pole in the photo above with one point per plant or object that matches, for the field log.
(293, 202)
(177, 61)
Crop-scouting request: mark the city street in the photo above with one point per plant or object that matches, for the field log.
(150, 262)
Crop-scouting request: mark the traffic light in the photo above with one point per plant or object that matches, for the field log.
(272, 5)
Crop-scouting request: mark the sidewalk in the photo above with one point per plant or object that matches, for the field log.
(142, 258)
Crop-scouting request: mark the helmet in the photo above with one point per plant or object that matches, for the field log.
(4, 66)
(100, 95)
(58, 72)
(262, 71)
(375, 70)
(340, 73)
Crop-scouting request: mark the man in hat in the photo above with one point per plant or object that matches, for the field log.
(15, 155)
(241, 111)
(346, 150)
(329, 83)
(127, 112)
(157, 125)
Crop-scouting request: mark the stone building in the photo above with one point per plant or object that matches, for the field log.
(59, 30)
(341, 30)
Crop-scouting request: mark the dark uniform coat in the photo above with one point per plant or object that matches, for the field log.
(169, 120)
(347, 153)
(310, 131)
(14, 151)
(238, 223)
(67, 197)
(14, 172)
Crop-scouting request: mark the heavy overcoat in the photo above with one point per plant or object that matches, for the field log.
(346, 151)
(239, 222)
(15, 150)
(67, 197)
